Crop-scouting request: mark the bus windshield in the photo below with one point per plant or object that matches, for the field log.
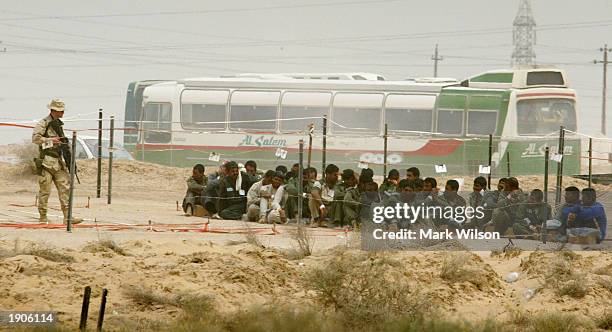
(544, 116)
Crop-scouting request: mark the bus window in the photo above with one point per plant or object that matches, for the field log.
(302, 105)
(252, 109)
(450, 122)
(357, 113)
(544, 116)
(157, 122)
(201, 107)
(481, 122)
(409, 112)
(450, 114)
(482, 115)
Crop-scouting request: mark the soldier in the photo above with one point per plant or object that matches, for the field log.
(52, 169)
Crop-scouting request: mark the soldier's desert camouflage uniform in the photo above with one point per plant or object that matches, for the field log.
(54, 169)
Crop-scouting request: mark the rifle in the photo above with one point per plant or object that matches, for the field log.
(56, 125)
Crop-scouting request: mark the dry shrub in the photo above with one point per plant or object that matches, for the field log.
(604, 270)
(262, 318)
(557, 322)
(365, 289)
(191, 303)
(442, 325)
(197, 257)
(302, 246)
(464, 267)
(604, 322)
(507, 253)
(576, 287)
(107, 245)
(147, 297)
(251, 238)
(496, 253)
(563, 278)
(48, 253)
(606, 284)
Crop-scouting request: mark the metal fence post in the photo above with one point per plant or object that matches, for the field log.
(546, 156)
(385, 153)
(490, 159)
(324, 151)
(110, 158)
(99, 178)
(560, 149)
(590, 161)
(300, 182)
(72, 174)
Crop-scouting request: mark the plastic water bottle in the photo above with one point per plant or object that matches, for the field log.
(529, 293)
(512, 277)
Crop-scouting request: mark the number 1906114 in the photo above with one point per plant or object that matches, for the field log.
(27, 317)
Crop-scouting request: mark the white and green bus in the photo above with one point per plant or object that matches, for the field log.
(181, 122)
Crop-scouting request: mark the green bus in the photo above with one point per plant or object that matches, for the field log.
(428, 123)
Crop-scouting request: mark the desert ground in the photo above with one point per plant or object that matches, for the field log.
(157, 264)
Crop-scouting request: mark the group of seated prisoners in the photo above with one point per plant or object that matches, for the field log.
(237, 192)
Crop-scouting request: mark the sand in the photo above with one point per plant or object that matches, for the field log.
(174, 255)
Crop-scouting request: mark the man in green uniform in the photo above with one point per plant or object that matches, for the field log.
(196, 184)
(534, 214)
(350, 203)
(292, 190)
(508, 206)
(52, 169)
(390, 184)
(322, 204)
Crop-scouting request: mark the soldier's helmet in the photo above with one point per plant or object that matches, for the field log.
(56, 105)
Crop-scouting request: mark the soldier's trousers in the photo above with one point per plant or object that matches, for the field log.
(61, 179)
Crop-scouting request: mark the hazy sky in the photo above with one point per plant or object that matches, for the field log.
(87, 52)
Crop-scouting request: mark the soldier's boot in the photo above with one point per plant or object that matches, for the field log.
(75, 220)
(42, 216)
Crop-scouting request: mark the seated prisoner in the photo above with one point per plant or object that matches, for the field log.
(508, 206)
(210, 199)
(532, 215)
(350, 202)
(232, 193)
(196, 184)
(292, 193)
(321, 203)
(389, 186)
(258, 191)
(589, 213)
(450, 198)
(266, 200)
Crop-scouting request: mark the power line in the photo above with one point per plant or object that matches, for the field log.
(207, 11)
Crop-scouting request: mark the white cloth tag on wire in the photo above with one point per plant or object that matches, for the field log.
(484, 169)
(214, 157)
(440, 168)
(556, 157)
(280, 153)
(362, 165)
